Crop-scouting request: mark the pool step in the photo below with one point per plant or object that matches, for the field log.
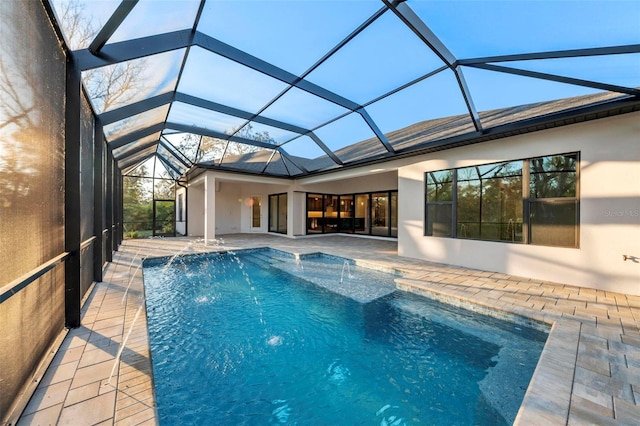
(261, 259)
(258, 261)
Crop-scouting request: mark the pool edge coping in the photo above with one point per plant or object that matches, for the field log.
(548, 396)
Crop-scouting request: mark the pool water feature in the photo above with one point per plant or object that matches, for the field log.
(340, 275)
(249, 338)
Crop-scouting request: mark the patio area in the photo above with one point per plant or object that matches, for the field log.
(589, 371)
(496, 143)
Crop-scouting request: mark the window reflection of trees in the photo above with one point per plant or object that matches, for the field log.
(440, 203)
(489, 201)
(554, 200)
(553, 176)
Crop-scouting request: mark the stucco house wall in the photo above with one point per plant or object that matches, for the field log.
(609, 207)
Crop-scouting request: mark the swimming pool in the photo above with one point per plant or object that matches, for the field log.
(262, 337)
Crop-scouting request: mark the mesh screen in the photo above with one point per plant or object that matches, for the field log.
(104, 200)
(32, 99)
(24, 342)
(86, 194)
(32, 91)
(86, 170)
(86, 268)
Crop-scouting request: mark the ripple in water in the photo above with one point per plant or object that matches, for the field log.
(282, 411)
(274, 341)
(388, 419)
(338, 373)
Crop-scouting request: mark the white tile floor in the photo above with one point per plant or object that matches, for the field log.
(589, 372)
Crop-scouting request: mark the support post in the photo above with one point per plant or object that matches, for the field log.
(119, 204)
(98, 200)
(72, 212)
(186, 210)
(209, 208)
(108, 201)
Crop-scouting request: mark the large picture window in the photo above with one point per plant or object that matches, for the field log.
(532, 201)
(374, 213)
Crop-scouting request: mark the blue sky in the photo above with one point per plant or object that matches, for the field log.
(293, 35)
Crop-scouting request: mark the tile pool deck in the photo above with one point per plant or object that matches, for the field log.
(589, 371)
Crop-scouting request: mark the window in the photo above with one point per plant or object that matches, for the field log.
(361, 223)
(282, 213)
(489, 202)
(331, 213)
(394, 213)
(553, 200)
(180, 208)
(367, 214)
(346, 213)
(278, 213)
(440, 203)
(256, 212)
(532, 201)
(380, 223)
(315, 209)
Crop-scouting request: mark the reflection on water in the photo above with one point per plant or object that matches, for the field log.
(308, 355)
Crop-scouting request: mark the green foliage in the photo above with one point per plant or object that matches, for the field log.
(137, 204)
(440, 185)
(489, 203)
(165, 217)
(138, 200)
(164, 189)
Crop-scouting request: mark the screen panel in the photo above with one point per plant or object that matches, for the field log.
(32, 160)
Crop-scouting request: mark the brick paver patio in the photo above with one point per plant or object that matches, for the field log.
(589, 371)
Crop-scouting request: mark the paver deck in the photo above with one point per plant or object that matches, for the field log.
(589, 371)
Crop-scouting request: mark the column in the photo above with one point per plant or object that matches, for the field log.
(209, 208)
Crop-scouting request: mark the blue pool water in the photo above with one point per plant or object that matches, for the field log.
(259, 337)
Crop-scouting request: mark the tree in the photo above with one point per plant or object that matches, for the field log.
(553, 176)
(246, 132)
(25, 117)
(163, 189)
(214, 148)
(137, 203)
(109, 86)
(188, 145)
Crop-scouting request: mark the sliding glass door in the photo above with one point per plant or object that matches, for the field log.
(278, 213)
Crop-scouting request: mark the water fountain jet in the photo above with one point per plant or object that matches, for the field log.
(348, 267)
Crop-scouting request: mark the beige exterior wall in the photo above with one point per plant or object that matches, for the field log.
(243, 199)
(181, 226)
(609, 207)
(365, 181)
(609, 204)
(228, 208)
(232, 196)
(195, 210)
